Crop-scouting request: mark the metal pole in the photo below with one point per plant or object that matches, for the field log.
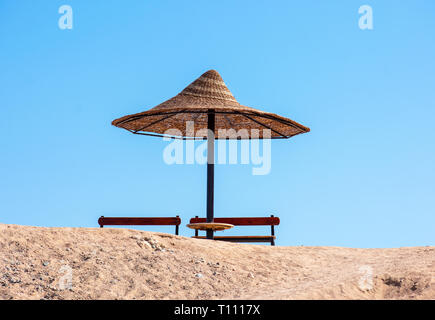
(210, 169)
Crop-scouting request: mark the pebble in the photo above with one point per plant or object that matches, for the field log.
(198, 275)
(14, 280)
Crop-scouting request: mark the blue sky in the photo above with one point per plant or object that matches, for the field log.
(363, 177)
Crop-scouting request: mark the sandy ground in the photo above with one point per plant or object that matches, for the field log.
(82, 263)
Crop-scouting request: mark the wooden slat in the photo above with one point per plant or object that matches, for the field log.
(238, 237)
(127, 221)
(242, 221)
(241, 238)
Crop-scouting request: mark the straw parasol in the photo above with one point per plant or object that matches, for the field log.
(209, 104)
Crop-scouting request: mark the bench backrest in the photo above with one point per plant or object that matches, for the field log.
(125, 221)
(243, 221)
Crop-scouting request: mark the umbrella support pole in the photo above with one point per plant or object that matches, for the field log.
(210, 169)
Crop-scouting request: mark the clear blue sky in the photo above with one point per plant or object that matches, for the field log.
(363, 177)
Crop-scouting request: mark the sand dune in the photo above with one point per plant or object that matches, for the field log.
(81, 263)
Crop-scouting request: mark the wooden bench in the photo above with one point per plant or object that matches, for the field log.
(122, 221)
(271, 221)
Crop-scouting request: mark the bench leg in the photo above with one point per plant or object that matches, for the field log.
(272, 231)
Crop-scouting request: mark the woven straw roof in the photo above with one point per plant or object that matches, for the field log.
(205, 94)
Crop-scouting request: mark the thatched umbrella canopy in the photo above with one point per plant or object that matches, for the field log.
(209, 104)
(194, 103)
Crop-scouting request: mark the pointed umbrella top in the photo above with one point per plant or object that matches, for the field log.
(207, 94)
(210, 85)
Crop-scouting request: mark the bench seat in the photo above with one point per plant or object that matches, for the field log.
(139, 221)
(271, 221)
(241, 238)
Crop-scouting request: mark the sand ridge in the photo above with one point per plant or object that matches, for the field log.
(113, 263)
